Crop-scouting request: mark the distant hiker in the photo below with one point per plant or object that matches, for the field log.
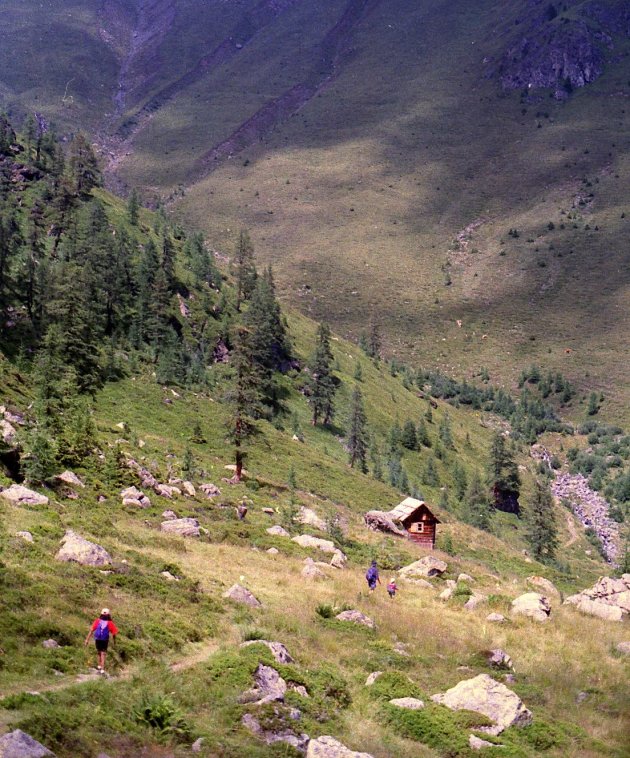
(391, 587)
(372, 576)
(102, 627)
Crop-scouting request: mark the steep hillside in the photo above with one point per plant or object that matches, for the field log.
(142, 392)
(457, 170)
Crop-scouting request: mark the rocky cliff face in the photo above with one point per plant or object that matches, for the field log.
(561, 46)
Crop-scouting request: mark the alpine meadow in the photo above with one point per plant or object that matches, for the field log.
(314, 398)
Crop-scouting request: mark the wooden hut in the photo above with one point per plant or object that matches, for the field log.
(417, 520)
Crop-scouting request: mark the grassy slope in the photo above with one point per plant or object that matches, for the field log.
(362, 193)
(160, 619)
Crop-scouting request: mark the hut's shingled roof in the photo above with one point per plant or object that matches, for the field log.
(408, 507)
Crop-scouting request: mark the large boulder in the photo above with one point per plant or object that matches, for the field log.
(69, 477)
(485, 695)
(18, 744)
(19, 495)
(278, 650)
(608, 598)
(474, 600)
(209, 489)
(185, 527)
(8, 433)
(239, 594)
(310, 518)
(277, 531)
(356, 617)
(167, 490)
(312, 571)
(268, 687)
(79, 550)
(382, 522)
(427, 566)
(339, 559)
(533, 605)
(544, 585)
(134, 497)
(329, 747)
(189, 489)
(305, 540)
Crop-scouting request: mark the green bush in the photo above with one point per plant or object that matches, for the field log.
(162, 714)
(393, 684)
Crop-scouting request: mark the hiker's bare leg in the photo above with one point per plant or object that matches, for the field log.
(101, 659)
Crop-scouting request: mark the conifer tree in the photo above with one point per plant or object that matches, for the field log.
(375, 459)
(133, 208)
(503, 477)
(374, 341)
(422, 434)
(83, 165)
(168, 260)
(244, 268)
(357, 432)
(460, 480)
(476, 508)
(322, 384)
(244, 398)
(444, 431)
(408, 437)
(430, 475)
(542, 533)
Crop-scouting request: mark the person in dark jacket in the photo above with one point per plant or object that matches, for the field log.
(372, 576)
(102, 627)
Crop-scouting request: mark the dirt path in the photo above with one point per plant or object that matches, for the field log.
(196, 653)
(573, 533)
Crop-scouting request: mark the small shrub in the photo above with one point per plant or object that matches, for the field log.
(162, 714)
(325, 610)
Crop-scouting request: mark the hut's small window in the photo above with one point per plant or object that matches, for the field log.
(417, 527)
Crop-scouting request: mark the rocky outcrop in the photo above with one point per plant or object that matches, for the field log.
(26, 536)
(240, 594)
(278, 650)
(533, 605)
(591, 509)
(498, 659)
(305, 540)
(310, 518)
(608, 599)
(185, 527)
(339, 559)
(132, 496)
(210, 490)
(8, 433)
(79, 550)
(69, 477)
(485, 695)
(19, 495)
(474, 600)
(381, 521)
(427, 566)
(329, 747)
(312, 571)
(544, 585)
(356, 617)
(18, 744)
(268, 687)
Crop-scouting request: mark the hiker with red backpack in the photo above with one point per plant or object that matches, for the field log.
(102, 627)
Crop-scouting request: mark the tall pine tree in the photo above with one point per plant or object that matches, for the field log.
(503, 477)
(542, 533)
(357, 432)
(323, 385)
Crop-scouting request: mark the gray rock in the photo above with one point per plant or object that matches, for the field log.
(189, 489)
(268, 687)
(476, 743)
(134, 497)
(79, 550)
(239, 594)
(305, 540)
(411, 703)
(623, 648)
(446, 594)
(20, 495)
(483, 694)
(185, 527)
(381, 521)
(169, 577)
(498, 618)
(167, 490)
(499, 659)
(533, 605)
(372, 678)
(277, 531)
(273, 551)
(474, 600)
(418, 582)
(609, 598)
(278, 650)
(339, 560)
(544, 585)
(298, 741)
(427, 566)
(356, 617)
(465, 578)
(50, 644)
(210, 490)
(169, 515)
(18, 744)
(197, 745)
(309, 517)
(69, 477)
(26, 536)
(312, 571)
(8, 434)
(329, 747)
